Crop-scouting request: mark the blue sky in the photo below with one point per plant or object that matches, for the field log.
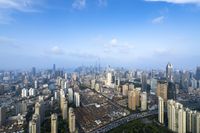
(129, 33)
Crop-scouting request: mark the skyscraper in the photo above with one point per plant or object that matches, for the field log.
(143, 101)
(176, 117)
(161, 110)
(72, 121)
(34, 71)
(54, 123)
(34, 124)
(162, 90)
(70, 95)
(77, 99)
(198, 73)
(169, 72)
(2, 115)
(109, 79)
(133, 99)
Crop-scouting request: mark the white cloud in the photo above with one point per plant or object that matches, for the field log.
(79, 4)
(56, 50)
(158, 20)
(8, 42)
(102, 3)
(114, 41)
(7, 7)
(178, 1)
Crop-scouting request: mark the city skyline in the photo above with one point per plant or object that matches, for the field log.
(70, 33)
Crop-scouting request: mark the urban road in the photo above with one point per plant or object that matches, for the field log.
(124, 120)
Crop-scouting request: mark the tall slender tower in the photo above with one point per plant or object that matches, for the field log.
(169, 72)
(160, 110)
(54, 123)
(72, 121)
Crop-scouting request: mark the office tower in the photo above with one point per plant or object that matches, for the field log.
(171, 91)
(2, 115)
(153, 85)
(24, 93)
(169, 72)
(144, 81)
(109, 79)
(72, 120)
(65, 110)
(54, 68)
(198, 73)
(35, 84)
(125, 90)
(161, 110)
(32, 92)
(34, 124)
(70, 95)
(162, 90)
(194, 83)
(143, 101)
(77, 99)
(34, 71)
(54, 123)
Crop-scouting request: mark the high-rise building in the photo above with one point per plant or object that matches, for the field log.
(24, 93)
(171, 91)
(109, 79)
(21, 107)
(176, 117)
(189, 120)
(32, 92)
(162, 90)
(93, 81)
(39, 110)
(125, 90)
(34, 124)
(144, 81)
(133, 99)
(35, 84)
(77, 99)
(161, 110)
(72, 121)
(143, 96)
(34, 71)
(2, 115)
(198, 123)
(65, 110)
(153, 85)
(54, 123)
(198, 73)
(70, 95)
(54, 68)
(169, 72)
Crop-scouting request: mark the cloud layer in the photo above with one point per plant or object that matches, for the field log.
(178, 1)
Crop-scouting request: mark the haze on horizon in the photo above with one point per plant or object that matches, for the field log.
(128, 33)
